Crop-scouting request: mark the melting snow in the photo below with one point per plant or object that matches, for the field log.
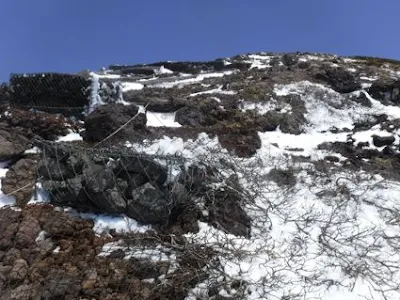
(5, 199)
(131, 86)
(264, 107)
(198, 78)
(109, 76)
(104, 223)
(161, 120)
(72, 136)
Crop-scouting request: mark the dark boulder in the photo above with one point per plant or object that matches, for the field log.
(283, 177)
(110, 201)
(12, 143)
(269, 121)
(20, 181)
(107, 119)
(149, 205)
(380, 141)
(226, 212)
(242, 142)
(290, 59)
(361, 99)
(155, 103)
(53, 169)
(138, 170)
(388, 151)
(386, 90)
(67, 193)
(341, 80)
(205, 113)
(97, 178)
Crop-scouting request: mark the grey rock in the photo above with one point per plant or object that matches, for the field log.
(20, 180)
(19, 270)
(109, 201)
(97, 178)
(138, 170)
(148, 205)
(339, 79)
(27, 233)
(54, 170)
(386, 90)
(380, 141)
(107, 119)
(12, 144)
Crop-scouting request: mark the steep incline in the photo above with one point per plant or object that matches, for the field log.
(261, 176)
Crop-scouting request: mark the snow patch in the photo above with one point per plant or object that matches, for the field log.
(161, 120)
(163, 70)
(193, 80)
(131, 86)
(71, 136)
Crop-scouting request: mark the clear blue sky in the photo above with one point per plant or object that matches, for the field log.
(72, 35)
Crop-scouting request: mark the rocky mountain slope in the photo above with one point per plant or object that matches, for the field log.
(261, 176)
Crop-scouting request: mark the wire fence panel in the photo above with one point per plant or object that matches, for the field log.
(50, 92)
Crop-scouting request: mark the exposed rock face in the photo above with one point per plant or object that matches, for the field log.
(148, 204)
(260, 111)
(108, 118)
(20, 180)
(47, 126)
(226, 212)
(225, 205)
(386, 90)
(12, 143)
(339, 79)
(242, 142)
(119, 185)
(205, 113)
(136, 186)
